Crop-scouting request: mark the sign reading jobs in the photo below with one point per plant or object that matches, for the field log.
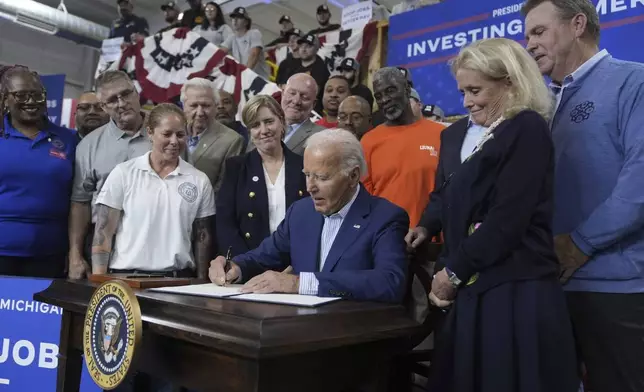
(425, 39)
(29, 336)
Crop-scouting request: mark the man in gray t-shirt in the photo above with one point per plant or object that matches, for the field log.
(246, 45)
(121, 139)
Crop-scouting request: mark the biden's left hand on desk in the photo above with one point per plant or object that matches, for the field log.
(443, 291)
(273, 282)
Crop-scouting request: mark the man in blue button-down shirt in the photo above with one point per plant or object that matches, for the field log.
(341, 242)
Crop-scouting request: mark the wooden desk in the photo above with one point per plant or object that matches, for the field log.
(237, 346)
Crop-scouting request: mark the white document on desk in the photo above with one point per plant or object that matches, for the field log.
(287, 299)
(210, 290)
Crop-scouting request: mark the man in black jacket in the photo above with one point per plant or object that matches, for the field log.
(350, 69)
(291, 63)
(193, 16)
(324, 20)
(287, 26)
(313, 65)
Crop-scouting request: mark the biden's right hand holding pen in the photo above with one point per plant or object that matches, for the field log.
(221, 274)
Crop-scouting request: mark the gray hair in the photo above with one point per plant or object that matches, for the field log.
(347, 143)
(568, 9)
(108, 77)
(199, 83)
(391, 73)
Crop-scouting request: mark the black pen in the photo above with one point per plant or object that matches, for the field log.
(229, 259)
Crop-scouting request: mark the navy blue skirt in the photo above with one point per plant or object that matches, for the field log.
(515, 337)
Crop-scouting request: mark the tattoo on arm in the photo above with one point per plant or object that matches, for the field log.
(202, 244)
(107, 221)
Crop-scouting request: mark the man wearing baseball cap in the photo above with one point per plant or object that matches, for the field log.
(292, 62)
(324, 20)
(312, 64)
(171, 11)
(434, 113)
(416, 104)
(246, 44)
(287, 25)
(193, 16)
(128, 25)
(350, 69)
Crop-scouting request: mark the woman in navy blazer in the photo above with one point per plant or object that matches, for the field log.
(508, 329)
(248, 207)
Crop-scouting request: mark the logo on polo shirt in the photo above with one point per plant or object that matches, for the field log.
(582, 112)
(431, 150)
(58, 144)
(188, 191)
(111, 333)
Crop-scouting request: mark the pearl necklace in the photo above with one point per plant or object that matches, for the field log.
(486, 136)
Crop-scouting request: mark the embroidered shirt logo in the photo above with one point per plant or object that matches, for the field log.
(188, 191)
(431, 150)
(582, 112)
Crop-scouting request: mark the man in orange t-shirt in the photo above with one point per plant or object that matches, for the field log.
(402, 153)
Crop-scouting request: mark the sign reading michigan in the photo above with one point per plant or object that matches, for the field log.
(111, 333)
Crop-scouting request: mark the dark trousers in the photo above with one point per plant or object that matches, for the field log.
(38, 267)
(609, 329)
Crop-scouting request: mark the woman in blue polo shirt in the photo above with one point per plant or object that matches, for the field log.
(36, 167)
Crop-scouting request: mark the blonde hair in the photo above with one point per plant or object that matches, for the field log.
(501, 58)
(251, 110)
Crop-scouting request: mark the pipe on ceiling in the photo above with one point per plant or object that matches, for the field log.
(53, 21)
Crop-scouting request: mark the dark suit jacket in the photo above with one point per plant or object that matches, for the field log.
(506, 187)
(449, 161)
(242, 203)
(367, 260)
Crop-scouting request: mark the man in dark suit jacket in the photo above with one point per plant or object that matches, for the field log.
(342, 242)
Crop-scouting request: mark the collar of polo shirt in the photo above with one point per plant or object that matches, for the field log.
(121, 133)
(144, 164)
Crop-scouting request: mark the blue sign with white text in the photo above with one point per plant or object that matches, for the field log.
(29, 336)
(425, 39)
(55, 87)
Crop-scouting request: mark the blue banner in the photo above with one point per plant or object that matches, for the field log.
(29, 336)
(425, 39)
(55, 87)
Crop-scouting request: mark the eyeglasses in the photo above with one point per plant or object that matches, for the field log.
(113, 101)
(25, 96)
(86, 107)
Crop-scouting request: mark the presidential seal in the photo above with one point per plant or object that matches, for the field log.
(111, 332)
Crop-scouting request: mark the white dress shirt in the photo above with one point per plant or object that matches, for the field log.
(472, 138)
(332, 223)
(276, 198)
